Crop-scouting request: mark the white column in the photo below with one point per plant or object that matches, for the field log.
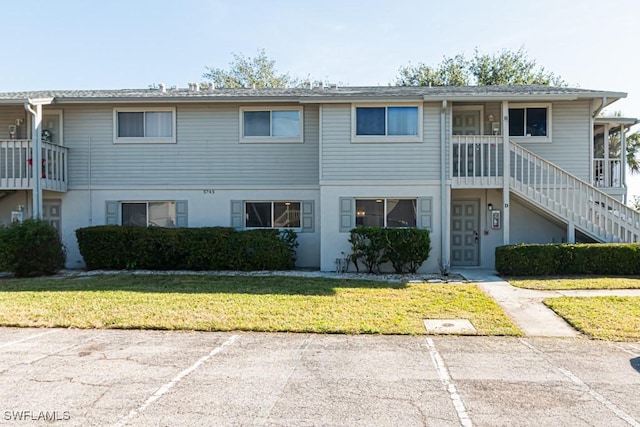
(506, 162)
(571, 232)
(36, 161)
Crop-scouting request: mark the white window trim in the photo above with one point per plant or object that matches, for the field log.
(120, 203)
(144, 139)
(520, 138)
(386, 138)
(384, 202)
(272, 139)
(272, 202)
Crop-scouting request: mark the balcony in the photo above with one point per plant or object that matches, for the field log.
(477, 161)
(16, 166)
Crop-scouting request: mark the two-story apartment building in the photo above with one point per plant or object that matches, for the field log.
(478, 166)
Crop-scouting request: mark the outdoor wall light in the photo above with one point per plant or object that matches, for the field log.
(490, 206)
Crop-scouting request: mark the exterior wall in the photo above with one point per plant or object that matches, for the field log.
(207, 153)
(571, 146)
(83, 208)
(8, 116)
(11, 201)
(528, 226)
(335, 244)
(343, 160)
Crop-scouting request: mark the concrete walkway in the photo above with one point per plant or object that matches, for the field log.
(525, 306)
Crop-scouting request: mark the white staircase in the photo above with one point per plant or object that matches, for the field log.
(571, 199)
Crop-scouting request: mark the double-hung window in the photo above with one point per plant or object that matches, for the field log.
(144, 125)
(392, 213)
(258, 124)
(272, 215)
(530, 120)
(148, 214)
(376, 123)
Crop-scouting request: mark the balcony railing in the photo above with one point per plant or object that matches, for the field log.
(607, 173)
(477, 161)
(16, 166)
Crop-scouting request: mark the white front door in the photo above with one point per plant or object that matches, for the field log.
(467, 121)
(51, 212)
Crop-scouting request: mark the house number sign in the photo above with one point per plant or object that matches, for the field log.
(209, 191)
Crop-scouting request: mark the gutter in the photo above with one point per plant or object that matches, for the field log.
(599, 109)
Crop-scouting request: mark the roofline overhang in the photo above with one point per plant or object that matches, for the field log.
(174, 99)
(629, 121)
(32, 101)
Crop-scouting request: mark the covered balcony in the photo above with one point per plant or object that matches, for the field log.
(17, 168)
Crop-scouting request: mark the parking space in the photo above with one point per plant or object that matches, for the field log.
(106, 377)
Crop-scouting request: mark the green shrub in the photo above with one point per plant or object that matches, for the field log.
(31, 248)
(557, 259)
(207, 248)
(405, 248)
(367, 247)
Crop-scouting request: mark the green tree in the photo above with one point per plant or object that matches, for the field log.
(249, 72)
(500, 68)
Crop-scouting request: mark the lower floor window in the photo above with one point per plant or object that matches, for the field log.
(149, 214)
(272, 214)
(386, 212)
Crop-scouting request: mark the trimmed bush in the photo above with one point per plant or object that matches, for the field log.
(31, 248)
(405, 248)
(557, 259)
(207, 248)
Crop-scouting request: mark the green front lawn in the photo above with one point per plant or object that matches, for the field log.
(606, 318)
(584, 282)
(220, 303)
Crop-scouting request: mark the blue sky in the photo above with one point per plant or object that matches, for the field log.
(132, 44)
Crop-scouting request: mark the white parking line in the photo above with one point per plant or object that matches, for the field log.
(635, 353)
(10, 343)
(166, 387)
(448, 384)
(577, 381)
(273, 398)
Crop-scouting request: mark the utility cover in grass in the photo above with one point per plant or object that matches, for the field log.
(449, 326)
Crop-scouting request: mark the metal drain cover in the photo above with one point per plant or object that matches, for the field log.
(449, 326)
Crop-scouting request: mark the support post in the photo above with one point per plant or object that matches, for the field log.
(571, 232)
(506, 173)
(36, 161)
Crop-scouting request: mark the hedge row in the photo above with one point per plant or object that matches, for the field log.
(557, 259)
(31, 248)
(405, 248)
(208, 248)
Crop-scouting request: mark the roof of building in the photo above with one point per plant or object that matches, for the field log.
(326, 94)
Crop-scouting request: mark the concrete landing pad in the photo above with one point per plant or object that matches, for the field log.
(449, 326)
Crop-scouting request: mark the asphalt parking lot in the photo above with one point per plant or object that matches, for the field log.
(139, 378)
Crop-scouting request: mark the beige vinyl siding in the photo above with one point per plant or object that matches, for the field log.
(570, 146)
(343, 160)
(207, 151)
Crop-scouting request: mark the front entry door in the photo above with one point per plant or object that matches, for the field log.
(466, 122)
(465, 240)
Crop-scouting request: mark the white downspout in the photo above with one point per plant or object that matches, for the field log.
(36, 158)
(444, 202)
(623, 168)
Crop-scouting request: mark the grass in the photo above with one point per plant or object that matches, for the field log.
(218, 303)
(606, 318)
(581, 282)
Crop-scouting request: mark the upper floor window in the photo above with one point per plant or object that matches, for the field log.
(401, 123)
(272, 215)
(148, 125)
(258, 124)
(386, 212)
(531, 120)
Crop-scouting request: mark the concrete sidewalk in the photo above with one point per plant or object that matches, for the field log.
(525, 306)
